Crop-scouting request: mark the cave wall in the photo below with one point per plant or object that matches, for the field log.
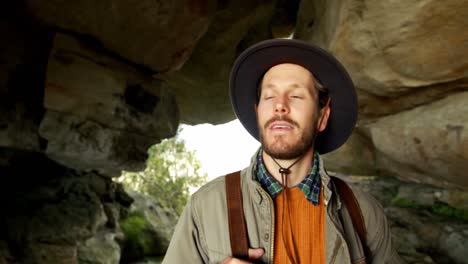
(409, 62)
(86, 87)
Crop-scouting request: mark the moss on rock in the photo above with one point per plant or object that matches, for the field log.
(438, 208)
(140, 240)
(446, 210)
(406, 203)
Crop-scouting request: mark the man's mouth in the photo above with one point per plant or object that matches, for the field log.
(281, 126)
(281, 123)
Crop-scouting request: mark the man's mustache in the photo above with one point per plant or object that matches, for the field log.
(280, 118)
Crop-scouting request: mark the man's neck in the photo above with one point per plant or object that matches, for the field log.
(298, 171)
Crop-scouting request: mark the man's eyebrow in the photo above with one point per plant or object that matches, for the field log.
(296, 85)
(269, 85)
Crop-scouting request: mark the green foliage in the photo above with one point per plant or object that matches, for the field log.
(133, 227)
(139, 241)
(171, 170)
(438, 208)
(403, 202)
(446, 210)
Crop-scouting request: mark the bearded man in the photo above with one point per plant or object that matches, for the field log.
(299, 102)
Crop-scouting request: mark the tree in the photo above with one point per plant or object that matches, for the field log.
(171, 170)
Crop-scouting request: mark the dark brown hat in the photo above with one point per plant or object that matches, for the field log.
(251, 65)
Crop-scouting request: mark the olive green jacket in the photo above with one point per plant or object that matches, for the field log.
(202, 233)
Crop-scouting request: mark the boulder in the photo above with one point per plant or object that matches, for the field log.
(77, 215)
(385, 47)
(162, 220)
(101, 114)
(428, 144)
(90, 146)
(100, 249)
(148, 228)
(406, 59)
(391, 48)
(356, 156)
(52, 214)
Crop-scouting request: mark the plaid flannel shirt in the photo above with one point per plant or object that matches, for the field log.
(310, 186)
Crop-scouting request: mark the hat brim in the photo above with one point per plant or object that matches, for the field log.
(252, 64)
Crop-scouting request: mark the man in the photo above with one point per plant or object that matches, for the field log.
(298, 101)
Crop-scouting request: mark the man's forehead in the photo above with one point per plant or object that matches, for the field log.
(288, 68)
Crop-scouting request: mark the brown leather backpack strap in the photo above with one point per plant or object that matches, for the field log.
(351, 203)
(237, 226)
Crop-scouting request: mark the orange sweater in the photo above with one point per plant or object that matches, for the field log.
(307, 223)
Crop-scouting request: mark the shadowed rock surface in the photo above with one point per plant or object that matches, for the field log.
(86, 87)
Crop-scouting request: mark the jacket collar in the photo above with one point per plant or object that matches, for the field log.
(324, 177)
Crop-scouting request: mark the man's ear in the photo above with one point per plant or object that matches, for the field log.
(324, 115)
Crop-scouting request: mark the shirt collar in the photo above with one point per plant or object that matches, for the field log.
(310, 186)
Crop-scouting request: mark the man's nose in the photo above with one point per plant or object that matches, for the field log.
(281, 106)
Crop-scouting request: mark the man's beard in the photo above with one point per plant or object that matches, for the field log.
(279, 149)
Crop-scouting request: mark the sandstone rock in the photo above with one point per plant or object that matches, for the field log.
(158, 34)
(55, 211)
(47, 214)
(17, 131)
(100, 249)
(87, 145)
(77, 216)
(400, 54)
(201, 85)
(44, 253)
(85, 83)
(356, 156)
(427, 144)
(392, 47)
(102, 115)
(106, 99)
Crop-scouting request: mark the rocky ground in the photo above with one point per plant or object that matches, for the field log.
(429, 225)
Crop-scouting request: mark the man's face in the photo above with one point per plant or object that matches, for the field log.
(287, 112)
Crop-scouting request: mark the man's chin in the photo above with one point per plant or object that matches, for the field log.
(282, 152)
(283, 155)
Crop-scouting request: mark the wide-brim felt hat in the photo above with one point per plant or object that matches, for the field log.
(254, 62)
